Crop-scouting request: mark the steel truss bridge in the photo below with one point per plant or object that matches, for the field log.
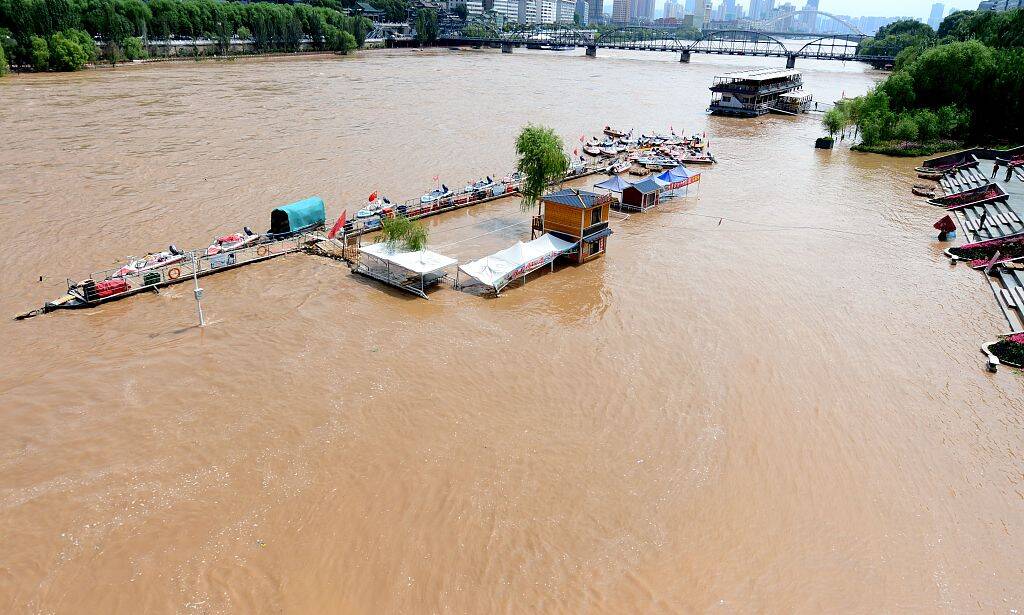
(843, 47)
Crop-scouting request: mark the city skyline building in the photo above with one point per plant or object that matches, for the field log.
(938, 10)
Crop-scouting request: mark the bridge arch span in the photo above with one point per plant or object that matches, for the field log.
(766, 24)
(640, 37)
(739, 42)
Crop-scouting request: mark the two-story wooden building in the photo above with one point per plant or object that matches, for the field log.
(577, 216)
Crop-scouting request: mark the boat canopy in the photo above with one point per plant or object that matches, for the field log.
(298, 216)
(615, 183)
(500, 268)
(677, 174)
(649, 185)
(423, 261)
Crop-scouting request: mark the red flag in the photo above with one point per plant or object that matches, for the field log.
(581, 139)
(340, 223)
(373, 196)
(575, 152)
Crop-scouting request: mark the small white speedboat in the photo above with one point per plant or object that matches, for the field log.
(374, 208)
(151, 261)
(436, 194)
(227, 243)
(483, 184)
(619, 166)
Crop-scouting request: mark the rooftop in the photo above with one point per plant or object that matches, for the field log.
(575, 198)
(761, 74)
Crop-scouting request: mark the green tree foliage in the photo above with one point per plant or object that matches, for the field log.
(402, 233)
(132, 48)
(271, 26)
(900, 89)
(461, 11)
(4, 67)
(40, 53)
(425, 25)
(394, 10)
(243, 33)
(896, 37)
(906, 128)
(339, 40)
(542, 161)
(66, 53)
(834, 121)
(994, 29)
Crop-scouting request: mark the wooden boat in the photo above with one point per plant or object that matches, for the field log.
(923, 190)
(932, 175)
(611, 132)
(591, 150)
(638, 171)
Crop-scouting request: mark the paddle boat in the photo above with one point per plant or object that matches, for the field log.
(619, 166)
(227, 243)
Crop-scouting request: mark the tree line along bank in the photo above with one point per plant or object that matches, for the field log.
(62, 34)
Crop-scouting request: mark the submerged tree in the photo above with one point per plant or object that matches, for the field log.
(403, 232)
(541, 161)
(834, 121)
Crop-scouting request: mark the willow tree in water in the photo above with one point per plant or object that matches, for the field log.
(541, 161)
(403, 232)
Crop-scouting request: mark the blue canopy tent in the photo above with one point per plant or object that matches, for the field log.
(295, 218)
(614, 183)
(675, 178)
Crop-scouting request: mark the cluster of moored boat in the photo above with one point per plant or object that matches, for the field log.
(644, 153)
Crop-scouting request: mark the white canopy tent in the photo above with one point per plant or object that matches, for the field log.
(500, 268)
(427, 267)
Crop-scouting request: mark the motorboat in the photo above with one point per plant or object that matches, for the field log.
(619, 166)
(656, 162)
(436, 194)
(374, 208)
(923, 190)
(151, 261)
(698, 159)
(512, 178)
(479, 186)
(591, 150)
(227, 243)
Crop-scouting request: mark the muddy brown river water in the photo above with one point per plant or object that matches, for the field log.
(768, 397)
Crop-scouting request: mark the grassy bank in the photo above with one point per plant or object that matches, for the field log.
(905, 149)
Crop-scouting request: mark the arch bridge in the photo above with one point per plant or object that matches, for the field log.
(843, 47)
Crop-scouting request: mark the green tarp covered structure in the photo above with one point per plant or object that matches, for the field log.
(299, 216)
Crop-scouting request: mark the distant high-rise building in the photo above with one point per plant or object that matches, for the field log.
(728, 10)
(643, 10)
(761, 9)
(688, 7)
(808, 21)
(622, 10)
(583, 10)
(936, 16)
(672, 10)
(596, 11)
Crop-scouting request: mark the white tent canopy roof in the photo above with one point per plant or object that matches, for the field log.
(423, 261)
(494, 270)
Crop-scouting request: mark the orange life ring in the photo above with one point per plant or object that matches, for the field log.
(173, 273)
(262, 251)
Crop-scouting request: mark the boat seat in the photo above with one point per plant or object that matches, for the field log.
(1008, 298)
(1018, 292)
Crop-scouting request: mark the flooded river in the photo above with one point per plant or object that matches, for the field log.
(768, 397)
